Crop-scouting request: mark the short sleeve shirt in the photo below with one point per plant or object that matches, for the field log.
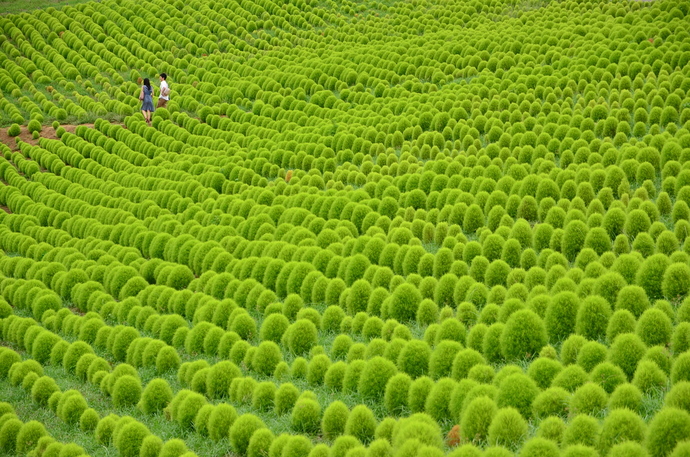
(164, 85)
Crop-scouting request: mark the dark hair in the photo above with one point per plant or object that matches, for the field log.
(164, 76)
(147, 83)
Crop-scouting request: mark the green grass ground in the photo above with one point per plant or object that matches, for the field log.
(23, 6)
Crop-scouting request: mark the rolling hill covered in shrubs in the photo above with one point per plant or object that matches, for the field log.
(360, 229)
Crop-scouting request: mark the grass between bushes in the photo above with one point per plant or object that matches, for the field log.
(22, 6)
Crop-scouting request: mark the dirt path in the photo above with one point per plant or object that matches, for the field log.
(47, 132)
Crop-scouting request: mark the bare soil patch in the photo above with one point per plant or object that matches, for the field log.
(47, 132)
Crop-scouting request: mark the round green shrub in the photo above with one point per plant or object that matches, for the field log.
(173, 448)
(404, 303)
(590, 398)
(260, 443)
(343, 444)
(508, 428)
(285, 399)
(306, 416)
(361, 424)
(632, 298)
(654, 327)
(278, 444)
(220, 420)
(263, 398)
(464, 361)
(418, 392)
(517, 391)
(333, 379)
(592, 318)
(104, 429)
(561, 316)
(626, 396)
(126, 391)
(651, 273)
(583, 430)
(8, 435)
(396, 393)
(73, 353)
(681, 368)
(477, 418)
(13, 130)
(552, 428)
(151, 446)
(437, 405)
(28, 436)
(622, 321)
(553, 401)
(628, 449)
(188, 408)
(156, 396)
(242, 430)
(441, 361)
(543, 370)
(167, 360)
(416, 428)
(374, 376)
(676, 281)
(668, 427)
(42, 389)
(266, 357)
(89, 420)
(608, 376)
(334, 419)
(626, 351)
(71, 406)
(679, 396)
(130, 438)
(523, 336)
(220, 376)
(201, 419)
(302, 335)
(649, 377)
(414, 358)
(619, 426)
(273, 327)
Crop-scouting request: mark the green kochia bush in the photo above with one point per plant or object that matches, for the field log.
(260, 443)
(130, 438)
(126, 391)
(523, 336)
(361, 424)
(8, 435)
(374, 377)
(220, 420)
(28, 436)
(477, 419)
(508, 428)
(306, 416)
(621, 425)
(334, 419)
(626, 351)
(266, 357)
(302, 335)
(242, 430)
(156, 396)
(404, 303)
(669, 426)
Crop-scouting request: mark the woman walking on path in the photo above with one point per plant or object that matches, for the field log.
(146, 97)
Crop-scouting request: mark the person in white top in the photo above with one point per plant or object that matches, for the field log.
(165, 92)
